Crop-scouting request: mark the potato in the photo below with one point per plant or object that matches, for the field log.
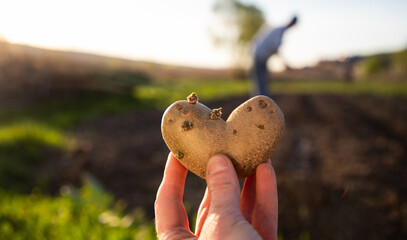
(194, 133)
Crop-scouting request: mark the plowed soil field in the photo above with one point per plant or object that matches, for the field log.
(341, 166)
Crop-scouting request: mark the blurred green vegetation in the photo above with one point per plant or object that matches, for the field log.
(390, 65)
(87, 213)
(376, 64)
(381, 88)
(239, 21)
(161, 95)
(399, 60)
(22, 149)
(67, 111)
(29, 131)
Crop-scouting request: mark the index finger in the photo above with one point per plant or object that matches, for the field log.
(169, 209)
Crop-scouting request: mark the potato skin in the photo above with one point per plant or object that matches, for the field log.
(248, 137)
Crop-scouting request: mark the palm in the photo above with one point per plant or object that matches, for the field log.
(219, 216)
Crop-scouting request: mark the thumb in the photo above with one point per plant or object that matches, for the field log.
(223, 184)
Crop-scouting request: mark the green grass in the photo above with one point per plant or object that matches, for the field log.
(22, 149)
(341, 88)
(68, 111)
(394, 65)
(87, 213)
(31, 131)
(161, 95)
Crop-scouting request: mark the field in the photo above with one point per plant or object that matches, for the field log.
(340, 166)
(81, 153)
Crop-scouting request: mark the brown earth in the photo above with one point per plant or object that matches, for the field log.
(341, 166)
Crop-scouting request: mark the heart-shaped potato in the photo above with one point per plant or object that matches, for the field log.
(194, 133)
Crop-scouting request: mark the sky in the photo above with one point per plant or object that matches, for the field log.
(177, 31)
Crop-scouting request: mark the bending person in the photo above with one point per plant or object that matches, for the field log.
(265, 46)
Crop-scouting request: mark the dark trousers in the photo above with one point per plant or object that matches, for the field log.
(261, 77)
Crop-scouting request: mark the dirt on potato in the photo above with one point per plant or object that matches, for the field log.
(341, 165)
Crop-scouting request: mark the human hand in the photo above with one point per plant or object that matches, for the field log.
(222, 214)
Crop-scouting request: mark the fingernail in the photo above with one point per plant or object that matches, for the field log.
(216, 164)
(269, 162)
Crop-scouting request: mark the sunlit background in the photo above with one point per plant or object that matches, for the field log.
(176, 32)
(84, 84)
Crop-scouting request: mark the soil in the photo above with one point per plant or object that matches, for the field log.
(341, 165)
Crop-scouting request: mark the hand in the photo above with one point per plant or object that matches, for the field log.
(222, 214)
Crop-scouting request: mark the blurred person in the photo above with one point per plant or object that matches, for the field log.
(265, 46)
(224, 213)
